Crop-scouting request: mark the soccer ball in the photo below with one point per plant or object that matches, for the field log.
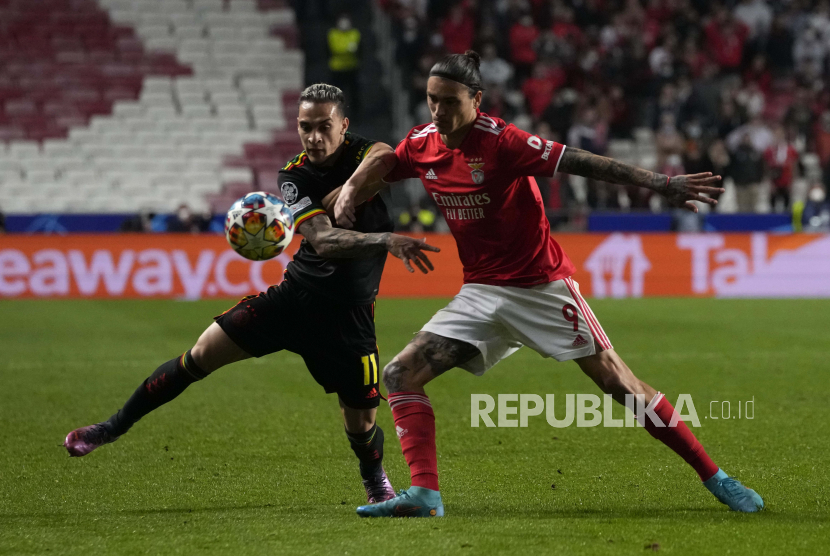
(259, 226)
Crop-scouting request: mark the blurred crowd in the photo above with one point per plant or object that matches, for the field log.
(679, 86)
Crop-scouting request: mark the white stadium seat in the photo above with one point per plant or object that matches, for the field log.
(182, 129)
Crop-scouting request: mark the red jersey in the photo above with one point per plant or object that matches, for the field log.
(490, 200)
(782, 160)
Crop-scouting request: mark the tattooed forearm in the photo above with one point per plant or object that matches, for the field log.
(582, 163)
(336, 243)
(348, 244)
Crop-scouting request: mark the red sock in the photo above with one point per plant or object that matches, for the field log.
(415, 425)
(679, 438)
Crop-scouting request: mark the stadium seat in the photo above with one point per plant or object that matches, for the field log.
(129, 113)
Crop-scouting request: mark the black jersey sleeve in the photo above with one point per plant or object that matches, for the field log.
(303, 198)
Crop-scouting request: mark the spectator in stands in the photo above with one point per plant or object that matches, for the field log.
(523, 35)
(750, 98)
(407, 8)
(781, 164)
(759, 74)
(409, 46)
(747, 171)
(694, 58)
(668, 102)
(344, 60)
(800, 116)
(419, 218)
(718, 158)
(620, 123)
(564, 27)
(779, 47)
(540, 88)
(458, 30)
(495, 71)
(495, 104)
(757, 16)
(816, 215)
(695, 159)
(142, 222)
(729, 119)
(661, 58)
(589, 132)
(809, 52)
(726, 38)
(821, 138)
(184, 221)
(705, 99)
(559, 114)
(669, 141)
(760, 137)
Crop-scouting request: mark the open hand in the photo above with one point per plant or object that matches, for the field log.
(680, 191)
(411, 250)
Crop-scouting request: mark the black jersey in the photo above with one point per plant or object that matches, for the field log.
(304, 185)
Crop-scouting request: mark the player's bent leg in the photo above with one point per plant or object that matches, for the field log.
(426, 357)
(213, 350)
(366, 441)
(613, 376)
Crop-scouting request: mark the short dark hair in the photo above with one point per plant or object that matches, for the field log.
(324, 93)
(461, 68)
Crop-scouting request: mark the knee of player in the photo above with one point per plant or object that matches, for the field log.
(396, 376)
(202, 359)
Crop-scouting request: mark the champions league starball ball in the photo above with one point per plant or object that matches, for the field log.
(259, 226)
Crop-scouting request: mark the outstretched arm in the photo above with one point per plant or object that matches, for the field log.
(378, 163)
(336, 243)
(680, 191)
(361, 197)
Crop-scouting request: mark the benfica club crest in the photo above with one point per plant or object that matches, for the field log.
(477, 173)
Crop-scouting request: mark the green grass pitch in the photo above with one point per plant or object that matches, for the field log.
(253, 460)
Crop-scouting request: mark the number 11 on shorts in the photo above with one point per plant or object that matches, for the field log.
(370, 369)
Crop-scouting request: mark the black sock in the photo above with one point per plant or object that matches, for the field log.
(368, 447)
(167, 382)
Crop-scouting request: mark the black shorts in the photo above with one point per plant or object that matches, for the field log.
(337, 342)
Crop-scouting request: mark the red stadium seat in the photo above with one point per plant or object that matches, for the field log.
(67, 57)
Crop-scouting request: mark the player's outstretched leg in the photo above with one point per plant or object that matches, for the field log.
(214, 349)
(614, 377)
(426, 357)
(366, 439)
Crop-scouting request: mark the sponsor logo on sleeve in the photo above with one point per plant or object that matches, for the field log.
(303, 203)
(548, 148)
(289, 192)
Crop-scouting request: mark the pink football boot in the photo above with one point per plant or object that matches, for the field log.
(82, 441)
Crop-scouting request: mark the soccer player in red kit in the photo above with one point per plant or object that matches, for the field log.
(517, 287)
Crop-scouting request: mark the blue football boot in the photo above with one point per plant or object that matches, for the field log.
(415, 502)
(731, 492)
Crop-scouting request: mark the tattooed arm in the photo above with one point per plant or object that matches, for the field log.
(336, 243)
(680, 191)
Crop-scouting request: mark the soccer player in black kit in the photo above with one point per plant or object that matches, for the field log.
(328, 292)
